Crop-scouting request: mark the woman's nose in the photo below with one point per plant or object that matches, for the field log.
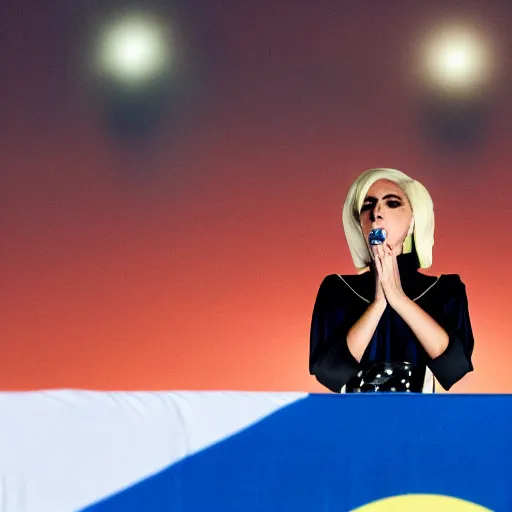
(376, 213)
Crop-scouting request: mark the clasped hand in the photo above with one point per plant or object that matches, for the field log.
(387, 278)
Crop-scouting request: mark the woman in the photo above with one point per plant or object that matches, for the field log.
(390, 328)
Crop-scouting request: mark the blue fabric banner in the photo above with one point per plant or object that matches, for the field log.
(344, 452)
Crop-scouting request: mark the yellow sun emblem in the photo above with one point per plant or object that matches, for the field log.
(421, 503)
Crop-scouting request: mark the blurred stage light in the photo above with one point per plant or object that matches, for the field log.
(134, 49)
(457, 60)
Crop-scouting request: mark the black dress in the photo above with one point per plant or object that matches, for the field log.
(341, 301)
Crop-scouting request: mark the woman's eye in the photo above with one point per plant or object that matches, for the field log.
(390, 204)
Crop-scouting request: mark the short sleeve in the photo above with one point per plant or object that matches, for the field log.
(455, 361)
(334, 312)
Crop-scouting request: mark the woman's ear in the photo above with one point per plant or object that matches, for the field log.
(411, 227)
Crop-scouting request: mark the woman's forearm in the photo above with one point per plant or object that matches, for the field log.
(361, 332)
(430, 334)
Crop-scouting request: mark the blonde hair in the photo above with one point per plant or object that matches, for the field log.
(422, 211)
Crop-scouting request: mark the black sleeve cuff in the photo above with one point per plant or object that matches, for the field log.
(336, 367)
(451, 365)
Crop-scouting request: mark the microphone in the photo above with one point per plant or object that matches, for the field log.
(377, 236)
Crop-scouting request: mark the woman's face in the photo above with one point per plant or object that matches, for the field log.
(386, 206)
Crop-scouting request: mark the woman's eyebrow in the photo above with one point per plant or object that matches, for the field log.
(387, 196)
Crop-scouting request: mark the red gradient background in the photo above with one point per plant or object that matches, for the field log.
(191, 259)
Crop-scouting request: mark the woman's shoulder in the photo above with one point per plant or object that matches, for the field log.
(347, 285)
(441, 288)
(451, 278)
(337, 279)
(451, 282)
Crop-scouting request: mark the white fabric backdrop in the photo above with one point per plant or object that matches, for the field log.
(61, 450)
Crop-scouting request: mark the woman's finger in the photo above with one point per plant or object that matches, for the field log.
(377, 252)
(378, 265)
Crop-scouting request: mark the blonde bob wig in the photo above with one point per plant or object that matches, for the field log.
(422, 211)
